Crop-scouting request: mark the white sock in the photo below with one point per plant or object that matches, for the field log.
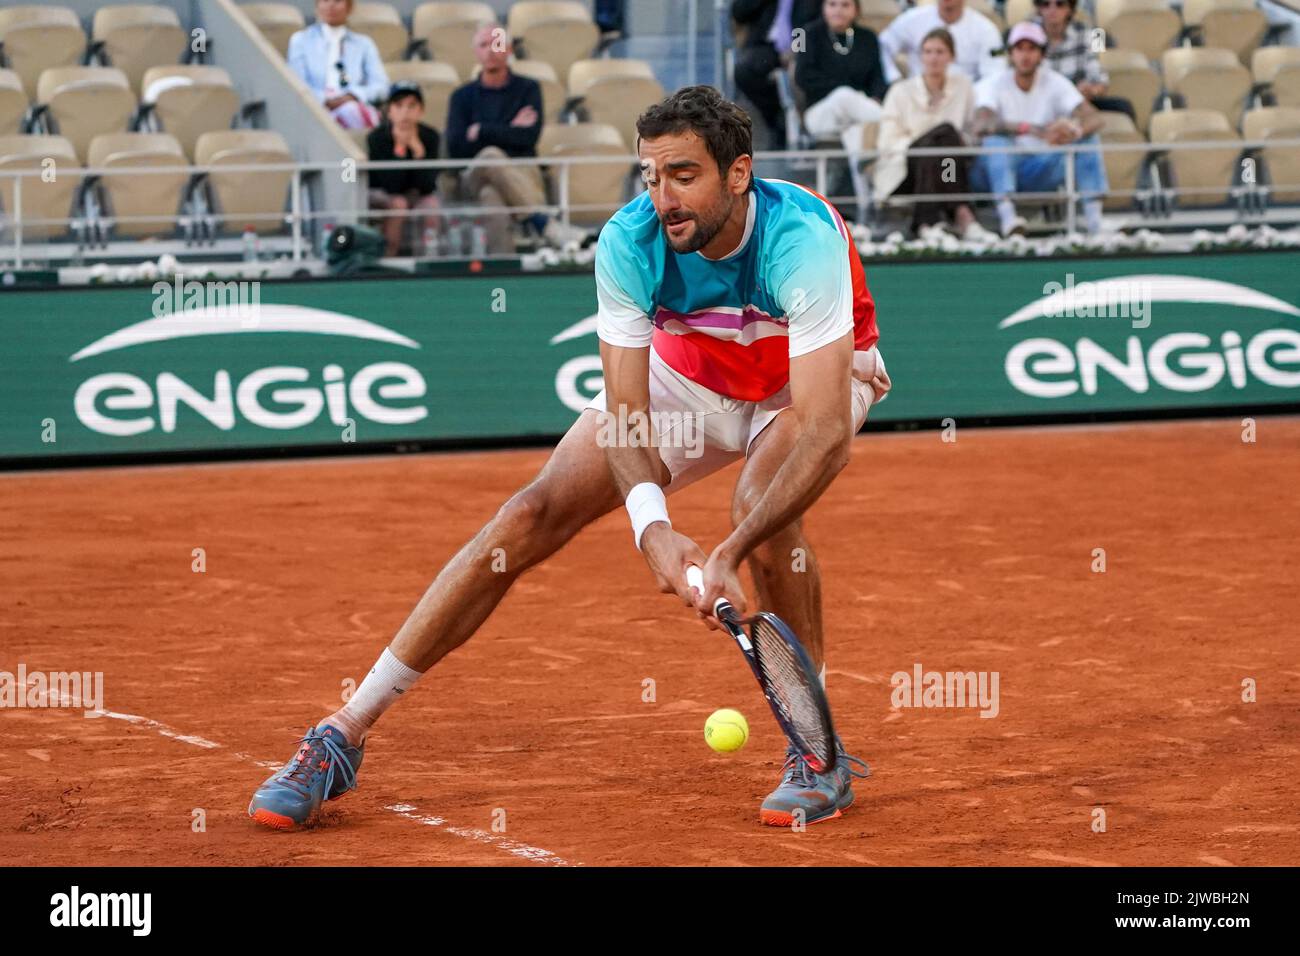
(1092, 214)
(1006, 213)
(388, 680)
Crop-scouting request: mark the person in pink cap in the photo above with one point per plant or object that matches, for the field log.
(1035, 107)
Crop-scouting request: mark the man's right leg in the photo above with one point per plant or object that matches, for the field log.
(574, 488)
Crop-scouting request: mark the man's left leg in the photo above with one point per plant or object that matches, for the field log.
(788, 583)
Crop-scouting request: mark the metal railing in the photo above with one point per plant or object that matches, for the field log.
(302, 220)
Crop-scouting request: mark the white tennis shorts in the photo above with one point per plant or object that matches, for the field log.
(698, 431)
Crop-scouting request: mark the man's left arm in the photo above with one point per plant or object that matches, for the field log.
(821, 400)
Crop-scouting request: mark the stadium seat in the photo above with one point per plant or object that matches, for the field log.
(383, 24)
(85, 101)
(1277, 68)
(447, 29)
(1208, 78)
(553, 97)
(277, 22)
(154, 194)
(189, 101)
(615, 92)
(1121, 167)
(37, 38)
(13, 103)
(601, 185)
(1236, 25)
(41, 199)
(1211, 169)
(238, 197)
(437, 81)
(877, 14)
(979, 6)
(1282, 164)
(135, 37)
(560, 32)
(1150, 26)
(1132, 78)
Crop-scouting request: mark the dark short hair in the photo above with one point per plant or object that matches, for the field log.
(943, 36)
(725, 127)
(404, 88)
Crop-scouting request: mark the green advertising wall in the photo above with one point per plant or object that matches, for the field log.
(157, 369)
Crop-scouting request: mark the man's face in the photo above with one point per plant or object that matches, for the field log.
(1053, 12)
(1025, 57)
(492, 47)
(333, 12)
(405, 111)
(689, 194)
(951, 10)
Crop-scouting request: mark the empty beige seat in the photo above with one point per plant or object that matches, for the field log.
(42, 197)
(241, 198)
(276, 21)
(1132, 78)
(85, 102)
(877, 14)
(437, 82)
(448, 28)
(1208, 78)
(13, 103)
(189, 101)
(141, 204)
(615, 92)
(600, 186)
(1282, 163)
(1150, 26)
(138, 36)
(1236, 25)
(553, 94)
(560, 32)
(1122, 168)
(1211, 169)
(383, 24)
(1279, 67)
(37, 38)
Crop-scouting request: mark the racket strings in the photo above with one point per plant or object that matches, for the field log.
(791, 690)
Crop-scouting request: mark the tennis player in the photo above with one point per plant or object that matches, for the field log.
(728, 306)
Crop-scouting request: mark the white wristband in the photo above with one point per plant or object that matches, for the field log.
(646, 505)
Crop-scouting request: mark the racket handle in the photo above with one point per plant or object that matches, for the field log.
(695, 578)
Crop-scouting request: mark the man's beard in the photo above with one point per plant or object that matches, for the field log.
(704, 232)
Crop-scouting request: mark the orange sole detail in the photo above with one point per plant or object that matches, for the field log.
(275, 821)
(780, 818)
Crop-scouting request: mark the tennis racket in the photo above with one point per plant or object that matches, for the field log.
(785, 673)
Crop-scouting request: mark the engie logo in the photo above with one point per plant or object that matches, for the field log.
(1179, 361)
(282, 396)
(572, 376)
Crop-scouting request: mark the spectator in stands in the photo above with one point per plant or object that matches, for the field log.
(1036, 106)
(839, 71)
(769, 32)
(977, 39)
(929, 110)
(495, 115)
(404, 137)
(342, 68)
(1070, 52)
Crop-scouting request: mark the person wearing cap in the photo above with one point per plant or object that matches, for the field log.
(977, 39)
(1031, 105)
(342, 69)
(403, 137)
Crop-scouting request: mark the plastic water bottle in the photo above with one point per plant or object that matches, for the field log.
(455, 240)
(478, 241)
(431, 242)
(325, 240)
(251, 244)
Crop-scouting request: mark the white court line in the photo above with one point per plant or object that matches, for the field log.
(531, 853)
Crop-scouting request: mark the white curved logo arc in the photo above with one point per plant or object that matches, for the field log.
(1149, 288)
(576, 331)
(228, 321)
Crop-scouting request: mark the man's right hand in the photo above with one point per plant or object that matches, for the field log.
(668, 553)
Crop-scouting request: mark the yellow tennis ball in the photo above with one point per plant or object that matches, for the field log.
(726, 730)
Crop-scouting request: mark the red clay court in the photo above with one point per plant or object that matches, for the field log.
(1119, 690)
